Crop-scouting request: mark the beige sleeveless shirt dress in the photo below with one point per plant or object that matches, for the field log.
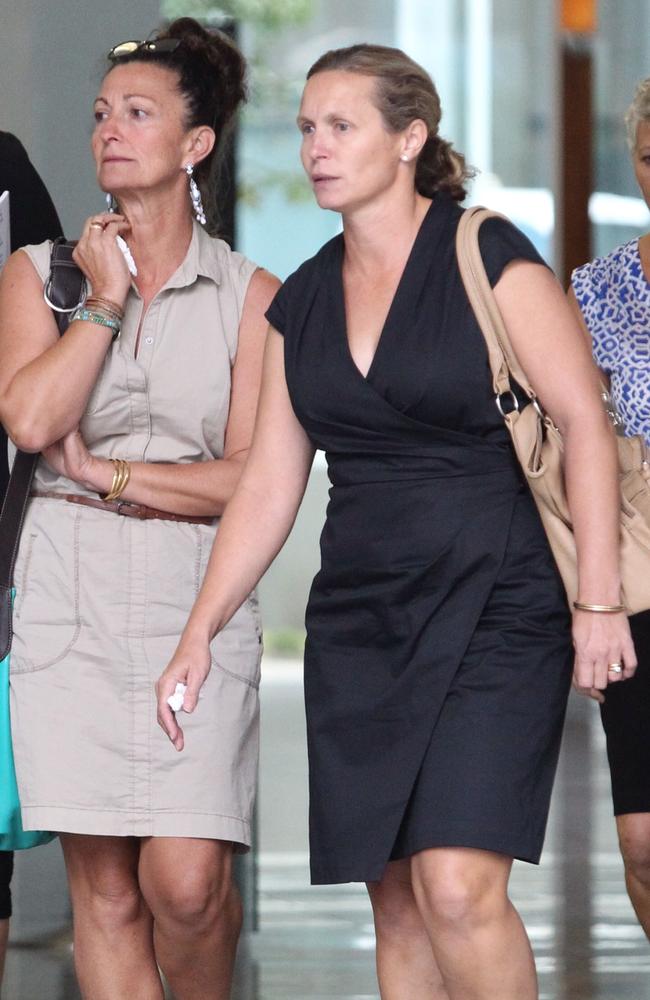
(101, 599)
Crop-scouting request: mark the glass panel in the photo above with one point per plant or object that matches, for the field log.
(515, 87)
(622, 58)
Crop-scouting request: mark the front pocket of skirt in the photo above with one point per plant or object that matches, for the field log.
(238, 648)
(47, 618)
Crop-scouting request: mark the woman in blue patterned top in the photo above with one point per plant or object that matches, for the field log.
(612, 297)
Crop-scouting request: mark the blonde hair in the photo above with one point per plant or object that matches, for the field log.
(405, 92)
(638, 111)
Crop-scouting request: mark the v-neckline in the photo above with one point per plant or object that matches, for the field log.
(392, 308)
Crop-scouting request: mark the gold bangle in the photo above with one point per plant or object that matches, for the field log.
(603, 609)
(121, 476)
(122, 480)
(116, 474)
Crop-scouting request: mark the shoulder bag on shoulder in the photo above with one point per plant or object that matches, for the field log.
(64, 290)
(538, 443)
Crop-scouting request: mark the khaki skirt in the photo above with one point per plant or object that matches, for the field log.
(101, 601)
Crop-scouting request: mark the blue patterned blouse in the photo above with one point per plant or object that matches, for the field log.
(614, 297)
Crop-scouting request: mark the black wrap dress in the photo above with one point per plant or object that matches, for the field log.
(438, 656)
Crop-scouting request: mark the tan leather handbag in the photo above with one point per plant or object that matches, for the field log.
(538, 443)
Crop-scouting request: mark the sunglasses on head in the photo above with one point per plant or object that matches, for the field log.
(163, 45)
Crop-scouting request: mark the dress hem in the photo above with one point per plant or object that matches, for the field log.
(208, 826)
(495, 844)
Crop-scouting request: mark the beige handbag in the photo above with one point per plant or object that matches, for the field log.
(538, 443)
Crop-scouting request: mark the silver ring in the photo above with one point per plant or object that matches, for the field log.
(96, 225)
(616, 668)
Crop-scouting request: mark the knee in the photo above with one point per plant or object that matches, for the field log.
(635, 849)
(459, 898)
(111, 902)
(395, 910)
(196, 900)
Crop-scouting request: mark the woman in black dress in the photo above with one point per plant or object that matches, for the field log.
(438, 657)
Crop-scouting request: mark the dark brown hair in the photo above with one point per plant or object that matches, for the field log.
(404, 92)
(211, 75)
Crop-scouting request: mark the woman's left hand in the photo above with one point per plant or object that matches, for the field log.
(70, 457)
(190, 665)
(601, 641)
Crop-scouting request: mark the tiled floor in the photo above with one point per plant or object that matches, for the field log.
(317, 943)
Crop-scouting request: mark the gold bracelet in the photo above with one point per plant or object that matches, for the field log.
(116, 470)
(603, 609)
(121, 476)
(118, 476)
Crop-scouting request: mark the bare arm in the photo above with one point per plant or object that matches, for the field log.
(253, 529)
(555, 354)
(197, 488)
(45, 380)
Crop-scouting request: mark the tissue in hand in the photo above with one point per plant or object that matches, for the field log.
(175, 700)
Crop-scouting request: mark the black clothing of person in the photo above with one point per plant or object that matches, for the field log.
(32, 218)
(625, 721)
(6, 871)
(438, 657)
(32, 215)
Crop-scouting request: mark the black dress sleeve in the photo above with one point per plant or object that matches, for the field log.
(277, 311)
(292, 302)
(500, 244)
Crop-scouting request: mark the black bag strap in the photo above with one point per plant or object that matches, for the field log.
(65, 289)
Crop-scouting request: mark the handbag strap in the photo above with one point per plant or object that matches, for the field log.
(65, 286)
(503, 361)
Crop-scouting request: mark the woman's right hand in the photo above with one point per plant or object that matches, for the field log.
(190, 665)
(100, 258)
(600, 641)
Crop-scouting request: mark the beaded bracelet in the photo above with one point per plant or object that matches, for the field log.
(100, 318)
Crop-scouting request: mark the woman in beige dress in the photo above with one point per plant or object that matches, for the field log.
(154, 425)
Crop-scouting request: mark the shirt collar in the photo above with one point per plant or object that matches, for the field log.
(200, 261)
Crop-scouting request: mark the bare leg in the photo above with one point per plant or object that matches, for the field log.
(113, 935)
(478, 939)
(406, 968)
(634, 840)
(197, 913)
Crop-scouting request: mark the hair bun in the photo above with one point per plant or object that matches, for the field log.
(188, 29)
(223, 60)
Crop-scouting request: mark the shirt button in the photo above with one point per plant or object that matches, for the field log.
(148, 340)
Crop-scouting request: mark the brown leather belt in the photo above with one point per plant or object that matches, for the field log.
(122, 507)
